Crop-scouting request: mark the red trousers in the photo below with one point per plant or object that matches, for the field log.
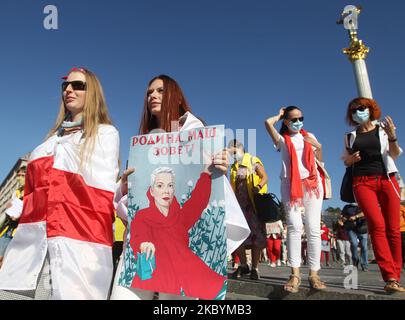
(273, 249)
(326, 256)
(380, 202)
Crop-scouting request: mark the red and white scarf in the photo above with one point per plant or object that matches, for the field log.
(311, 182)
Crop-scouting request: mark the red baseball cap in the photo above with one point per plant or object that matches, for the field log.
(74, 69)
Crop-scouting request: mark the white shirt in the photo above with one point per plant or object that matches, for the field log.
(274, 228)
(298, 141)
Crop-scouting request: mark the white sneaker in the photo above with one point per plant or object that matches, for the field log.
(273, 265)
(278, 263)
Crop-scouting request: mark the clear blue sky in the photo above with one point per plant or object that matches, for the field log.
(237, 62)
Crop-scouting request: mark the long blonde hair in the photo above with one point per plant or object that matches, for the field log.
(95, 112)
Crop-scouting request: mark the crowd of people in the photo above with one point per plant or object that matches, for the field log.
(346, 243)
(370, 151)
(73, 190)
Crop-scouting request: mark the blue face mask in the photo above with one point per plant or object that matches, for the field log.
(361, 116)
(296, 126)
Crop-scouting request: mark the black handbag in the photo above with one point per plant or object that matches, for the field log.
(268, 207)
(346, 188)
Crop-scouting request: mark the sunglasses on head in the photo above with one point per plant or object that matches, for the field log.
(296, 119)
(76, 85)
(360, 108)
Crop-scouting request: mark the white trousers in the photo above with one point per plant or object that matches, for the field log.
(306, 218)
(123, 293)
(344, 251)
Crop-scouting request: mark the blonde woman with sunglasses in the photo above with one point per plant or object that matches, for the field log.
(65, 230)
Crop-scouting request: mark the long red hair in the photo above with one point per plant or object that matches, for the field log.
(174, 105)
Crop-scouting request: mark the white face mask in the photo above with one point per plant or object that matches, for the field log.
(238, 156)
(361, 116)
(296, 126)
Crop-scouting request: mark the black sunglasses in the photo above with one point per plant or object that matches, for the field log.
(296, 119)
(76, 85)
(360, 108)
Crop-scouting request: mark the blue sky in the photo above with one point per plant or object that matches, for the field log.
(237, 62)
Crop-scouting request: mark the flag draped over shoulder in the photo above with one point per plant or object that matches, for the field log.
(68, 214)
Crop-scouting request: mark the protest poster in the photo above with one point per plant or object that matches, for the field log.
(176, 224)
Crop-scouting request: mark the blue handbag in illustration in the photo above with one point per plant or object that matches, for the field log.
(145, 268)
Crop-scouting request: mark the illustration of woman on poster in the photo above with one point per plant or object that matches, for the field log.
(161, 231)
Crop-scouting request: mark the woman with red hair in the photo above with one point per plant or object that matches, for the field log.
(370, 150)
(166, 109)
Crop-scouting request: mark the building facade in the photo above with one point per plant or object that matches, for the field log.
(10, 183)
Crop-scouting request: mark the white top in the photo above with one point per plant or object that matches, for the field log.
(298, 142)
(15, 210)
(274, 228)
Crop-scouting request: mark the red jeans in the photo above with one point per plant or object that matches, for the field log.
(380, 203)
(273, 249)
(326, 257)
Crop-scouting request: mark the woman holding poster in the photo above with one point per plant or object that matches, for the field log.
(65, 230)
(166, 109)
